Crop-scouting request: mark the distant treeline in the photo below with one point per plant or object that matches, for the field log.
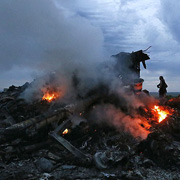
(173, 94)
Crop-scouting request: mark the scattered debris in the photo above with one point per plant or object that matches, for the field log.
(40, 140)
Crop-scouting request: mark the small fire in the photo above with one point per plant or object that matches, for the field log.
(50, 96)
(66, 131)
(160, 113)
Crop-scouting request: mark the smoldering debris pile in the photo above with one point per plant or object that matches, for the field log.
(42, 140)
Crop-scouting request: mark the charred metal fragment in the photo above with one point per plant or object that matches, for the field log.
(31, 126)
(127, 67)
(76, 152)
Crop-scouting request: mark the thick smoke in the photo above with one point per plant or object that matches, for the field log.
(125, 115)
(71, 61)
(46, 37)
(121, 121)
(66, 43)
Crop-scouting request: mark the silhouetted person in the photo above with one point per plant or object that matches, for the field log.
(162, 87)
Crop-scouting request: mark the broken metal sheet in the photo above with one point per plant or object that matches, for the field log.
(71, 148)
(63, 126)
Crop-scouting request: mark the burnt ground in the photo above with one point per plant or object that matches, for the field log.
(32, 153)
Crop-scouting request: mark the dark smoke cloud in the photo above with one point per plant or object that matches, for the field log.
(39, 34)
(65, 43)
(47, 37)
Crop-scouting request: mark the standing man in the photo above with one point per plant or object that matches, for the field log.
(162, 87)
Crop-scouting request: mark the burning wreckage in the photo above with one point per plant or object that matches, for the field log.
(101, 135)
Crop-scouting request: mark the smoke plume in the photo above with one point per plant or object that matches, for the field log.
(113, 116)
(71, 61)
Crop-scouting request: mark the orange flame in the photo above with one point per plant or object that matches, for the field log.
(65, 131)
(160, 113)
(50, 96)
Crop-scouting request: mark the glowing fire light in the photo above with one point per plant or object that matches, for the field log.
(65, 131)
(50, 96)
(162, 114)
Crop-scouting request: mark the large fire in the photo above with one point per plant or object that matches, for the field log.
(50, 96)
(160, 113)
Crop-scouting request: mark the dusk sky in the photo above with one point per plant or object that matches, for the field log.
(35, 33)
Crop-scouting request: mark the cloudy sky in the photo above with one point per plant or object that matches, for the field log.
(34, 33)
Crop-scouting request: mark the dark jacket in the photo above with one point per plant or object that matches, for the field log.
(162, 87)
